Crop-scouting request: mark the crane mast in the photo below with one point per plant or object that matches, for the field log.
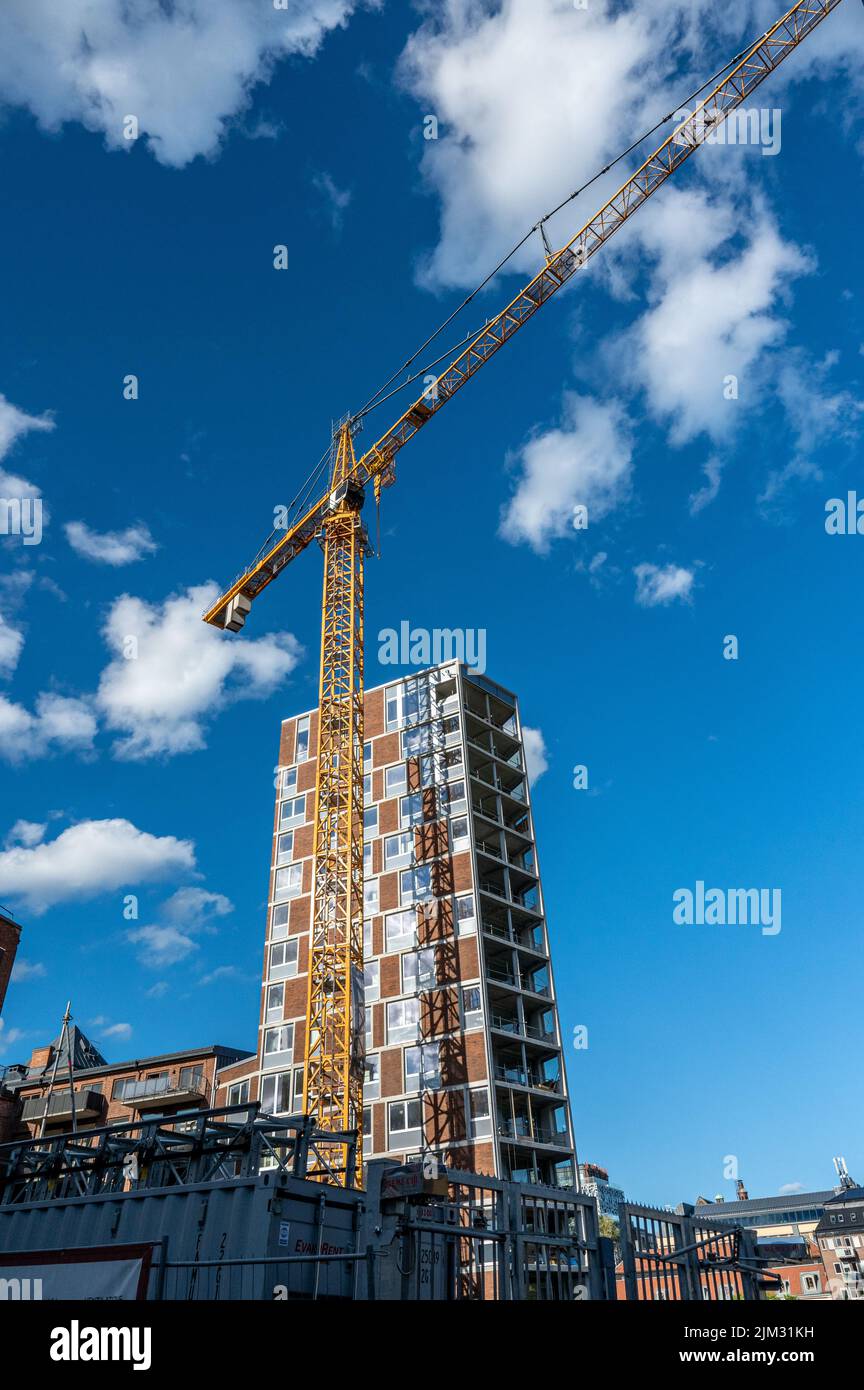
(333, 1073)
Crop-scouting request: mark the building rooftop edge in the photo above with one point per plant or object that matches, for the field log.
(419, 671)
(236, 1054)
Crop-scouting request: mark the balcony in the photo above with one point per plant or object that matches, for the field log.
(497, 975)
(525, 939)
(513, 1074)
(155, 1092)
(531, 1032)
(88, 1106)
(521, 1129)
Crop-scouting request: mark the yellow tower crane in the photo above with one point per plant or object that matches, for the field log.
(333, 1073)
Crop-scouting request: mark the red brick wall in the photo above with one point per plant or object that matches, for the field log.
(10, 935)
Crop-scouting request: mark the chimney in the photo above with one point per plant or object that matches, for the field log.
(40, 1058)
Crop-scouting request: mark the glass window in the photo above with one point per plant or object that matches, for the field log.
(279, 923)
(453, 798)
(367, 936)
(416, 741)
(372, 1076)
(283, 958)
(465, 913)
(479, 1114)
(298, 1091)
(405, 1118)
(415, 885)
(284, 847)
(289, 882)
(367, 756)
(368, 1015)
(275, 1002)
(289, 782)
(367, 787)
(453, 763)
(403, 1017)
(370, 897)
(367, 1129)
(411, 809)
(238, 1094)
(292, 812)
(472, 1007)
(400, 930)
(418, 970)
(459, 831)
(372, 981)
(405, 703)
(276, 1093)
(302, 748)
(396, 780)
(422, 1068)
(370, 822)
(398, 849)
(279, 1041)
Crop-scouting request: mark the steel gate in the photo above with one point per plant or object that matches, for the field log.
(674, 1257)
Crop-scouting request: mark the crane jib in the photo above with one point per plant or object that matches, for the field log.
(378, 463)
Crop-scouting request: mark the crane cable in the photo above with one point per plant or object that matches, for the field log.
(379, 397)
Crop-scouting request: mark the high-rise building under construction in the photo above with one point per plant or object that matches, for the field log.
(464, 1055)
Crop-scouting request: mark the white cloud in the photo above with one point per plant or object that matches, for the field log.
(160, 699)
(14, 424)
(116, 1030)
(534, 746)
(61, 723)
(187, 913)
(26, 832)
(656, 586)
(713, 472)
(790, 1188)
(9, 1036)
(186, 69)
(817, 413)
(222, 972)
(110, 547)
(11, 645)
(534, 96)
(92, 857)
(161, 946)
(195, 908)
(714, 311)
(27, 970)
(587, 460)
(336, 199)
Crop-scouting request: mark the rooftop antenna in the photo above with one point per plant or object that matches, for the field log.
(843, 1173)
(64, 1037)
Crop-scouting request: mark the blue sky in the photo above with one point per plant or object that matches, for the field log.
(154, 777)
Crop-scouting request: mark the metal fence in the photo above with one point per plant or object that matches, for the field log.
(673, 1257)
(198, 1147)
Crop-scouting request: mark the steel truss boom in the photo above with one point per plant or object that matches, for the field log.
(377, 465)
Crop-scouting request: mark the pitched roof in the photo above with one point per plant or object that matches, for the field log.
(83, 1053)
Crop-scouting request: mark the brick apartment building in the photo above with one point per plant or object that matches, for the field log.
(10, 936)
(840, 1234)
(105, 1092)
(464, 1055)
